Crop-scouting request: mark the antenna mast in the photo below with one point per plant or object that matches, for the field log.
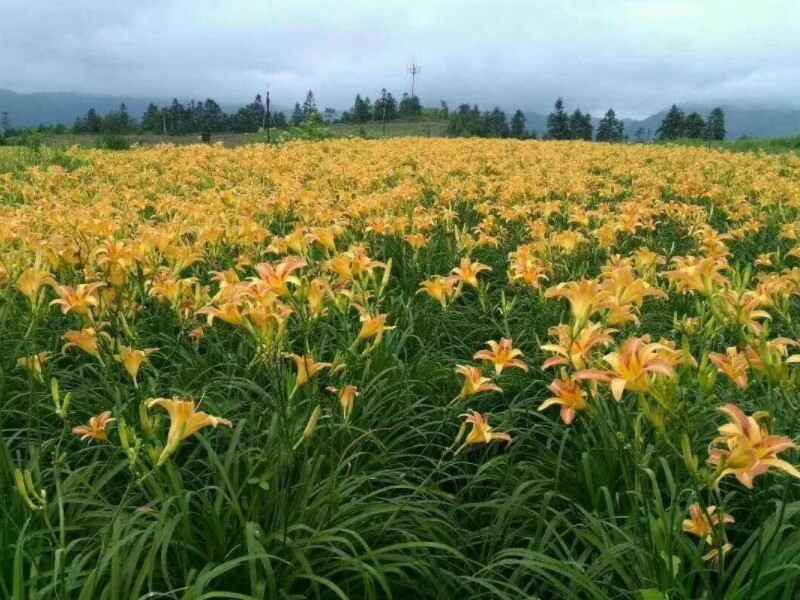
(414, 69)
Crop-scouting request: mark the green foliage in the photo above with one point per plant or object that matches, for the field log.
(518, 129)
(715, 128)
(376, 507)
(470, 122)
(580, 126)
(610, 129)
(673, 126)
(558, 123)
(113, 141)
(695, 126)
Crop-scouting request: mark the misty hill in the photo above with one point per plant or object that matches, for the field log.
(739, 121)
(30, 110)
(50, 108)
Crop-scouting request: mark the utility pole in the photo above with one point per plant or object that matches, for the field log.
(414, 69)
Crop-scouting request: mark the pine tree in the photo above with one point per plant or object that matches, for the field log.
(518, 129)
(558, 123)
(410, 107)
(715, 129)
(297, 114)
(279, 120)
(695, 126)
(151, 120)
(309, 106)
(610, 129)
(494, 124)
(673, 126)
(580, 126)
(93, 121)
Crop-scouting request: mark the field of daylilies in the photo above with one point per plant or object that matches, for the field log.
(401, 369)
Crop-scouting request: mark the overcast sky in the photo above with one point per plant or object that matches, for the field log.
(634, 55)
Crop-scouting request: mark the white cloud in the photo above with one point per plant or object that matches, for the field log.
(635, 55)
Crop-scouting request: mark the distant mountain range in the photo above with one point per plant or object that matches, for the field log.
(49, 108)
(29, 110)
(739, 121)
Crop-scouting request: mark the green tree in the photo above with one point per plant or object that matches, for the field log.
(465, 122)
(695, 126)
(362, 109)
(5, 123)
(93, 121)
(279, 120)
(610, 129)
(385, 107)
(558, 123)
(580, 126)
(715, 128)
(410, 107)
(214, 118)
(297, 114)
(494, 124)
(151, 120)
(309, 106)
(673, 126)
(518, 129)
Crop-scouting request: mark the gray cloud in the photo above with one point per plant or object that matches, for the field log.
(634, 55)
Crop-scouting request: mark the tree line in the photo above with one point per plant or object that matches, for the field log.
(195, 116)
(677, 125)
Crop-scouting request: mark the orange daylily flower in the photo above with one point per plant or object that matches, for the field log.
(230, 312)
(633, 367)
(372, 326)
(575, 350)
(34, 363)
(133, 359)
(702, 524)
(307, 367)
(96, 429)
(468, 271)
(185, 421)
(481, 432)
(701, 275)
(347, 398)
(474, 382)
(86, 339)
(277, 277)
(733, 363)
(32, 280)
(585, 297)
(81, 299)
(569, 395)
(441, 289)
(502, 355)
(745, 448)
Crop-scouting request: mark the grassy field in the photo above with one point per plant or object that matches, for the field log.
(408, 368)
(768, 145)
(231, 140)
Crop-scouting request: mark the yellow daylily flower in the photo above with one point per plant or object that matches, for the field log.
(502, 355)
(185, 421)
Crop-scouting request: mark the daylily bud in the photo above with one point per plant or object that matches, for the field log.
(689, 459)
(310, 428)
(35, 500)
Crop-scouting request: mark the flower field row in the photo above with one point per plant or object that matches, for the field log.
(409, 368)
